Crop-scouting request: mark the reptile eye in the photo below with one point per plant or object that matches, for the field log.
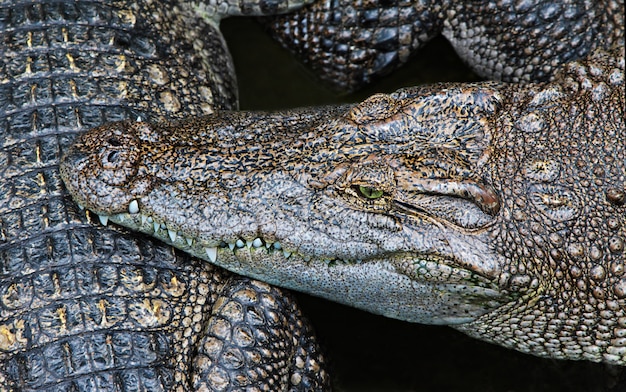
(370, 193)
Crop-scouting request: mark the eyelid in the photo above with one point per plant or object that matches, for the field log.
(479, 193)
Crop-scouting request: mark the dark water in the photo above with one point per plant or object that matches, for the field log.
(371, 353)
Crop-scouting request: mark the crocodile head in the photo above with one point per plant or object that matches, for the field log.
(386, 205)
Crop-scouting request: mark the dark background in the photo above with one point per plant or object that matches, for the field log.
(372, 353)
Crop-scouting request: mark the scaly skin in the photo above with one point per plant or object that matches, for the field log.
(352, 43)
(496, 208)
(88, 308)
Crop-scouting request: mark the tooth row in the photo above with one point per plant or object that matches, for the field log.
(211, 252)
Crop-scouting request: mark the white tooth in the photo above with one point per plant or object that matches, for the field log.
(268, 244)
(163, 226)
(277, 245)
(172, 235)
(307, 258)
(133, 207)
(327, 262)
(189, 240)
(104, 219)
(286, 254)
(231, 245)
(144, 219)
(156, 226)
(248, 244)
(239, 244)
(139, 119)
(212, 253)
(257, 243)
(81, 207)
(150, 220)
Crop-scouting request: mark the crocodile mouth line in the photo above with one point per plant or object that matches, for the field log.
(147, 224)
(425, 267)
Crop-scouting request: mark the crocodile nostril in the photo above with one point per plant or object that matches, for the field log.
(114, 142)
(113, 157)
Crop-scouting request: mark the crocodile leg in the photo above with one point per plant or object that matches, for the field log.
(85, 307)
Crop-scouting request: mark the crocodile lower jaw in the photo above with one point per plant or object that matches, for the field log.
(424, 289)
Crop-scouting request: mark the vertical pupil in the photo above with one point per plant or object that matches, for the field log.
(370, 193)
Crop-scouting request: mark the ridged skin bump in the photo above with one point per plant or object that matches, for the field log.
(87, 308)
(494, 207)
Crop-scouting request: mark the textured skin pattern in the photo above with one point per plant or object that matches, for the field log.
(559, 166)
(494, 207)
(349, 43)
(83, 307)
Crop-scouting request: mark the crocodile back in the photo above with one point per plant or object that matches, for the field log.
(84, 307)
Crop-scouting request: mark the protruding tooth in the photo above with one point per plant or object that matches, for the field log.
(248, 244)
(307, 258)
(81, 207)
(144, 219)
(189, 240)
(104, 219)
(139, 119)
(286, 254)
(239, 244)
(277, 245)
(172, 235)
(231, 245)
(212, 253)
(133, 207)
(257, 243)
(268, 244)
(150, 220)
(156, 226)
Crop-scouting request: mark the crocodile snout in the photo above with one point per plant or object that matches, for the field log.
(101, 168)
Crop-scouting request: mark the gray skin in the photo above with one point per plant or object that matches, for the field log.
(349, 43)
(89, 308)
(166, 84)
(496, 208)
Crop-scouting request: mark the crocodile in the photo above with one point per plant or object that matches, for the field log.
(85, 308)
(66, 67)
(497, 208)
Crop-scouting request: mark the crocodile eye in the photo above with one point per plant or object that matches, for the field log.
(370, 193)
